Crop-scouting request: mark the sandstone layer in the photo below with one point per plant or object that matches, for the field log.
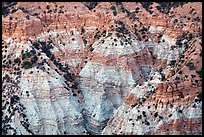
(101, 68)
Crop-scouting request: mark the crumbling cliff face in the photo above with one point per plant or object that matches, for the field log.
(101, 68)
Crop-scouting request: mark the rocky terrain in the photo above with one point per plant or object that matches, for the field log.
(129, 68)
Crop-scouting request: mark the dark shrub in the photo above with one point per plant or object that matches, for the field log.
(27, 65)
(191, 65)
(113, 8)
(17, 60)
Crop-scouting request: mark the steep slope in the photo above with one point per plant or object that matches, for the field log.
(101, 68)
(170, 106)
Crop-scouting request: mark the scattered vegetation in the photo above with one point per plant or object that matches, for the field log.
(146, 5)
(199, 72)
(163, 77)
(143, 99)
(173, 62)
(17, 60)
(91, 48)
(91, 5)
(97, 36)
(60, 11)
(177, 78)
(133, 105)
(27, 64)
(180, 111)
(114, 10)
(46, 48)
(166, 6)
(6, 6)
(190, 65)
(82, 30)
(34, 59)
(109, 34)
(23, 9)
(181, 94)
(132, 16)
(14, 10)
(48, 7)
(114, 13)
(85, 41)
(160, 69)
(35, 14)
(28, 17)
(180, 72)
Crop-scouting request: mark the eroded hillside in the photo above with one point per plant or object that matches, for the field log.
(101, 68)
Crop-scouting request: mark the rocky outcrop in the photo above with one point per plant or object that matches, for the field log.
(158, 107)
(101, 68)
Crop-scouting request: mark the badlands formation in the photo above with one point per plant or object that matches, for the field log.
(129, 68)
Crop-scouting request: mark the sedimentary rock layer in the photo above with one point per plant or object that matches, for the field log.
(101, 68)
